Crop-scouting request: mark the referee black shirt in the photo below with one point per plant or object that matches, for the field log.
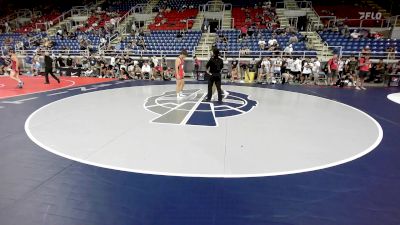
(215, 64)
(48, 62)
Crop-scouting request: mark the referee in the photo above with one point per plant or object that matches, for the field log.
(48, 68)
(214, 67)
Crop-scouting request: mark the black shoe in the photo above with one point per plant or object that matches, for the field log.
(59, 81)
(46, 82)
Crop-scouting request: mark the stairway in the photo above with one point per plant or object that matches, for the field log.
(53, 30)
(313, 19)
(199, 21)
(227, 20)
(315, 42)
(291, 4)
(150, 5)
(284, 22)
(204, 47)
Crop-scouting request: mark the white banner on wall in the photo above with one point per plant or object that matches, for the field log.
(370, 15)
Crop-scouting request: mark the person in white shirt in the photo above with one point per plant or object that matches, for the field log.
(296, 68)
(316, 69)
(112, 61)
(288, 50)
(154, 60)
(146, 70)
(307, 70)
(272, 41)
(289, 64)
(355, 34)
(262, 44)
(265, 70)
(341, 64)
(276, 67)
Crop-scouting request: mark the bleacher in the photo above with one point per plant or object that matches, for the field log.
(30, 27)
(233, 46)
(160, 41)
(16, 37)
(353, 47)
(175, 20)
(125, 5)
(177, 4)
(239, 16)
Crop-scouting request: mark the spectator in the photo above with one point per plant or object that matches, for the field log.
(351, 66)
(355, 35)
(316, 69)
(272, 41)
(262, 44)
(306, 72)
(341, 65)
(366, 51)
(296, 69)
(380, 70)
(391, 52)
(364, 68)
(333, 67)
(293, 39)
(146, 70)
(288, 50)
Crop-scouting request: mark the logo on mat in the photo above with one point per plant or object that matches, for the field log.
(192, 110)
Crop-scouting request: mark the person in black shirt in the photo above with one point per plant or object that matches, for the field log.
(69, 65)
(48, 68)
(214, 67)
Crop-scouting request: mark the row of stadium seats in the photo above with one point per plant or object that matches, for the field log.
(178, 4)
(175, 20)
(239, 16)
(161, 40)
(125, 5)
(32, 25)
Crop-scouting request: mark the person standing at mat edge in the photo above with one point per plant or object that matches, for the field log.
(214, 67)
(48, 68)
(14, 73)
(180, 73)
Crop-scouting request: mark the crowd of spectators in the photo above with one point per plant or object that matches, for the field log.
(338, 71)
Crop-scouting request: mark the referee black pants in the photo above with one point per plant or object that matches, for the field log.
(48, 71)
(215, 78)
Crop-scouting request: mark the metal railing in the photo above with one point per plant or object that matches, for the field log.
(300, 4)
(55, 52)
(260, 54)
(383, 23)
(141, 53)
(200, 21)
(374, 55)
(215, 7)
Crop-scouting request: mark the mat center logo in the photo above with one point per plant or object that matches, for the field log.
(192, 110)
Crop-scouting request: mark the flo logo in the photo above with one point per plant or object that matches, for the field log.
(192, 110)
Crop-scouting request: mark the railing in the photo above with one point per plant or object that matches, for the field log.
(194, 21)
(334, 47)
(260, 54)
(215, 7)
(374, 55)
(79, 11)
(304, 4)
(55, 52)
(141, 53)
(57, 20)
(384, 23)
